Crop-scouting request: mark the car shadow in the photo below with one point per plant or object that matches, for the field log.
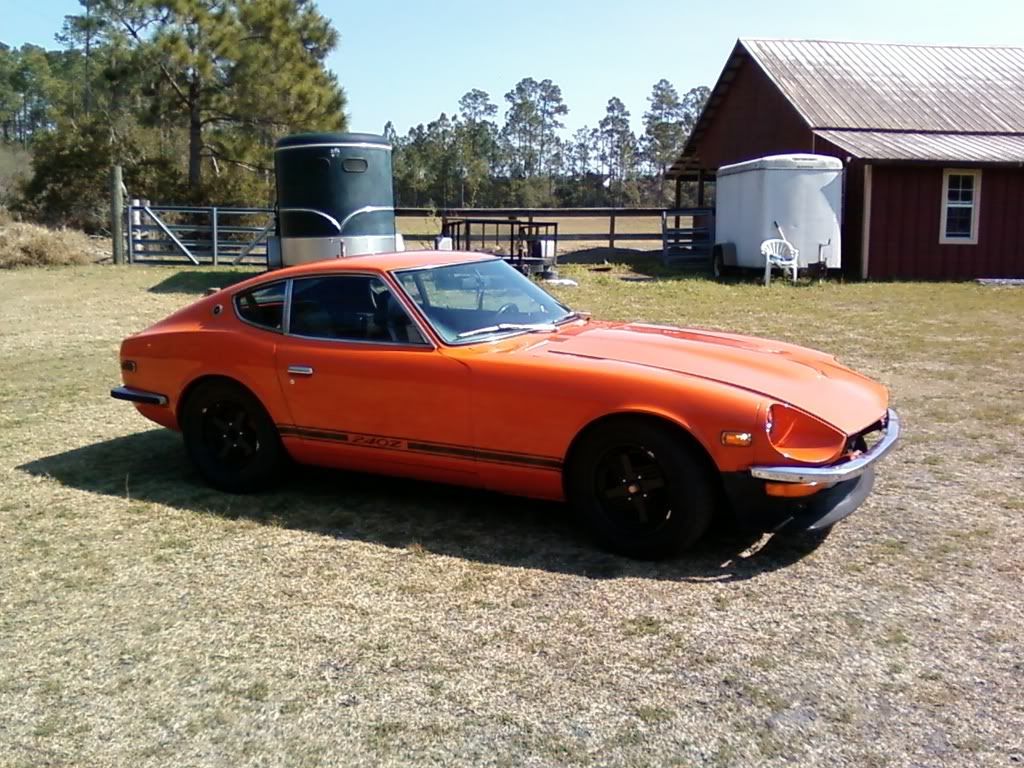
(201, 280)
(151, 466)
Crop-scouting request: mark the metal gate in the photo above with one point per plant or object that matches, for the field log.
(200, 235)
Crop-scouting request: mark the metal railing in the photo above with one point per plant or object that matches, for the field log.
(220, 235)
(214, 235)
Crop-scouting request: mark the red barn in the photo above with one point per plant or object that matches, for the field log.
(931, 137)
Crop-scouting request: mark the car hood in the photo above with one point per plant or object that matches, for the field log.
(801, 377)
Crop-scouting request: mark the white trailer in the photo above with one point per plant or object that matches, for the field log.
(794, 197)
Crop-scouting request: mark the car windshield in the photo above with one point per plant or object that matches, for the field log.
(482, 300)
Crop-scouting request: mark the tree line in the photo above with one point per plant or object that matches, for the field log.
(469, 159)
(190, 95)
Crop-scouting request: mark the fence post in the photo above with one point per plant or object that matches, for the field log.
(216, 260)
(117, 214)
(611, 229)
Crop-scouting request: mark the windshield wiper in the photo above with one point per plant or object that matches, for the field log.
(573, 315)
(534, 327)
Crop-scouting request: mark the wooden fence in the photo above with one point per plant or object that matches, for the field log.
(694, 226)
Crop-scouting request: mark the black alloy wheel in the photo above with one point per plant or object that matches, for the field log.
(230, 438)
(633, 488)
(229, 434)
(642, 488)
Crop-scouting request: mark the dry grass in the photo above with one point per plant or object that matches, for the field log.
(146, 620)
(30, 245)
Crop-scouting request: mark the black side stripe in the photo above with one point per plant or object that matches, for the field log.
(385, 442)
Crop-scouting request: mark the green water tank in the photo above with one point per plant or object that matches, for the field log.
(334, 196)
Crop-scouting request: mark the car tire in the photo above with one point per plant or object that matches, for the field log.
(641, 488)
(230, 437)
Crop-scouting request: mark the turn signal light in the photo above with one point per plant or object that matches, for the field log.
(737, 439)
(794, 490)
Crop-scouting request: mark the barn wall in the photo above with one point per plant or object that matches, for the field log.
(754, 119)
(906, 212)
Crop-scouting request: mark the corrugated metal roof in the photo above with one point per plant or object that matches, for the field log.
(946, 147)
(893, 87)
(949, 103)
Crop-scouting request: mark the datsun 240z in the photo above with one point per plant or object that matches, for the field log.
(454, 367)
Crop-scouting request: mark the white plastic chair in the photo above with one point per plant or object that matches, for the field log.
(779, 253)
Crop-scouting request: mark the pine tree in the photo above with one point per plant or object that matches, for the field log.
(550, 108)
(237, 74)
(477, 143)
(521, 132)
(664, 130)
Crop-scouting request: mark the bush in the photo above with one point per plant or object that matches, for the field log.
(29, 245)
(70, 183)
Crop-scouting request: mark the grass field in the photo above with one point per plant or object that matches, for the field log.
(344, 620)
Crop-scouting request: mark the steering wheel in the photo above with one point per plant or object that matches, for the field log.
(507, 308)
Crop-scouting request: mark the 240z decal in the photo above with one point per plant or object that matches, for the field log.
(377, 442)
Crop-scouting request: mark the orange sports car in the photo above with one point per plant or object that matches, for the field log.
(454, 367)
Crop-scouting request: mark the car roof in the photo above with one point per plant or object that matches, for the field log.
(377, 262)
(384, 262)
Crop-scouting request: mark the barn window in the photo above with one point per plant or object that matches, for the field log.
(961, 196)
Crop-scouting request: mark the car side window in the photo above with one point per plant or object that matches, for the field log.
(263, 306)
(350, 308)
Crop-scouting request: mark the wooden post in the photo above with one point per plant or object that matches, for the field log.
(117, 213)
(679, 192)
(700, 188)
(611, 229)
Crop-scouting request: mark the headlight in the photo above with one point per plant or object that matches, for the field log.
(802, 437)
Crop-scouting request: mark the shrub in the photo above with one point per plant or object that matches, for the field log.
(70, 182)
(30, 245)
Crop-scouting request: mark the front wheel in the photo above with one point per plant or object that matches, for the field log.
(641, 488)
(230, 438)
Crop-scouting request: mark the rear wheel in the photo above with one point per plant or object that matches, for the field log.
(230, 437)
(640, 488)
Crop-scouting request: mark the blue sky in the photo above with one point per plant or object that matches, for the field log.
(408, 62)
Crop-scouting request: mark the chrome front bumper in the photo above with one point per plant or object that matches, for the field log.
(836, 473)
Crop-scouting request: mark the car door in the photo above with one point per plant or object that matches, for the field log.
(366, 388)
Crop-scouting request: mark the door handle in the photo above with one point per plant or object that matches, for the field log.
(300, 370)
